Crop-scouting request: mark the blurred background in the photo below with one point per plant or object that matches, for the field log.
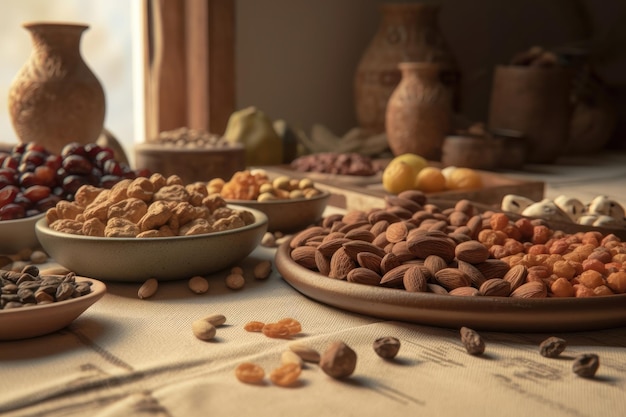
(296, 59)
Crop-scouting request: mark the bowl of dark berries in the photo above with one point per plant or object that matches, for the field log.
(32, 180)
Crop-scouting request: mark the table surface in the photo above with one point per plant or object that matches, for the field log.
(130, 357)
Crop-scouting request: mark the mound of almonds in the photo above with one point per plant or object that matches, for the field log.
(417, 246)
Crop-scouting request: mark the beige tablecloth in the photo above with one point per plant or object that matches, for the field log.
(132, 357)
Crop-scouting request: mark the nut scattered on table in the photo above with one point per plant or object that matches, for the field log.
(198, 284)
(586, 365)
(387, 347)
(552, 347)
(148, 288)
(203, 330)
(338, 360)
(472, 341)
(307, 353)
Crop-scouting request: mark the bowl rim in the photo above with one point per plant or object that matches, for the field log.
(324, 194)
(36, 217)
(260, 220)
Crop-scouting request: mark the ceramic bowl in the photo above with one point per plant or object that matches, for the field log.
(167, 258)
(291, 215)
(38, 320)
(18, 234)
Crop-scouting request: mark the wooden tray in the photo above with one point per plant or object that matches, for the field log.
(368, 192)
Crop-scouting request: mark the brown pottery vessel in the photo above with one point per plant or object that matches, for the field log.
(55, 98)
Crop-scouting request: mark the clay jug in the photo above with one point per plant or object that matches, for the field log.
(536, 102)
(55, 98)
(408, 32)
(419, 111)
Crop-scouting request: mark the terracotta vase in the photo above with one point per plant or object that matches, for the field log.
(536, 102)
(408, 32)
(55, 98)
(419, 111)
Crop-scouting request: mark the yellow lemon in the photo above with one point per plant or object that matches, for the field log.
(463, 179)
(416, 161)
(430, 180)
(398, 176)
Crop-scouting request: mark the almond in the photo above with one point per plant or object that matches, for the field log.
(380, 214)
(369, 260)
(435, 263)
(534, 289)
(418, 196)
(406, 203)
(330, 246)
(363, 276)
(340, 264)
(379, 227)
(476, 277)
(471, 251)
(322, 263)
(353, 226)
(516, 276)
(495, 287)
(396, 232)
(360, 234)
(493, 268)
(380, 240)
(423, 245)
(451, 278)
(389, 262)
(437, 289)
(328, 221)
(401, 212)
(302, 237)
(401, 250)
(354, 247)
(415, 280)
(457, 218)
(304, 256)
(465, 292)
(395, 277)
(354, 216)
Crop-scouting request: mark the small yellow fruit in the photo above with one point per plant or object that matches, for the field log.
(463, 179)
(416, 161)
(430, 180)
(398, 176)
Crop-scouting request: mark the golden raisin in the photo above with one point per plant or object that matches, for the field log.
(250, 373)
(285, 375)
(293, 325)
(276, 330)
(254, 326)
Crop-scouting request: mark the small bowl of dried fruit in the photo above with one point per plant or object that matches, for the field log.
(290, 204)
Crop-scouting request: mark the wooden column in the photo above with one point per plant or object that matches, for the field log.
(189, 64)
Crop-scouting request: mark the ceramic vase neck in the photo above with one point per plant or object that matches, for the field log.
(52, 40)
